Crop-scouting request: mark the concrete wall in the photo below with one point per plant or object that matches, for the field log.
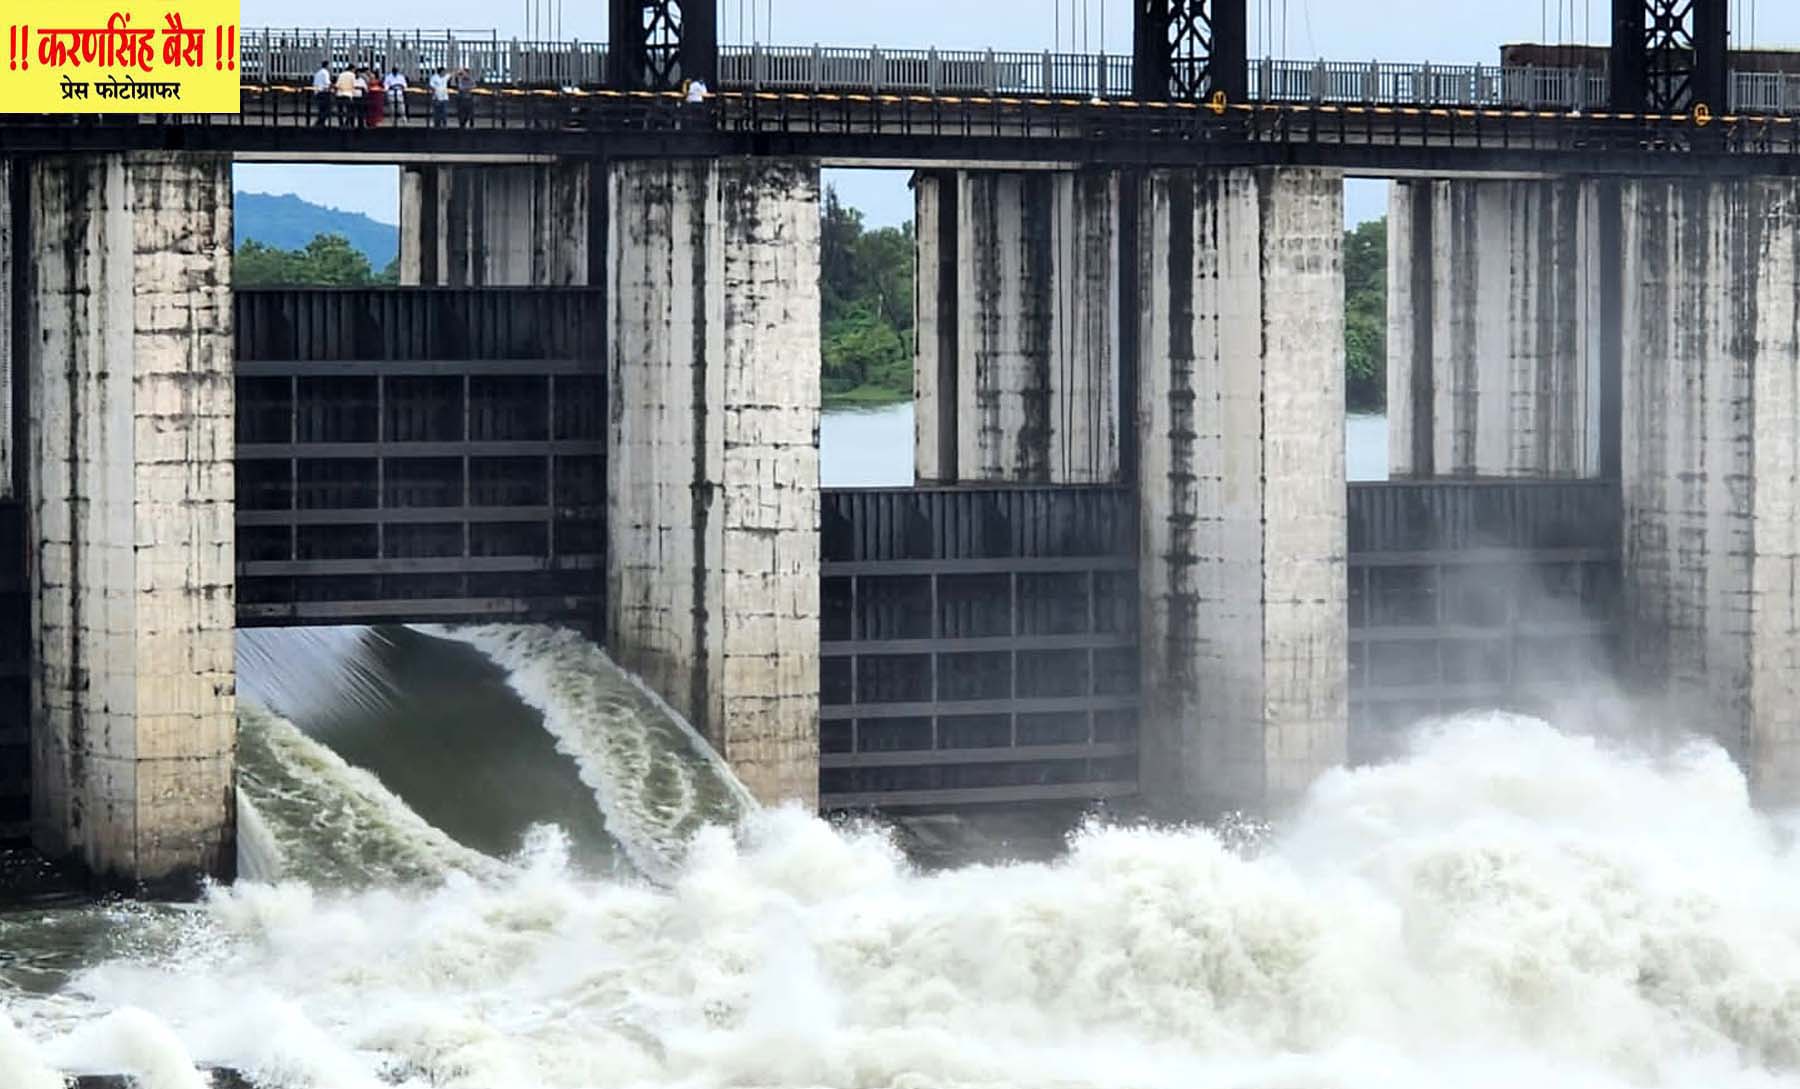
(1494, 351)
(713, 490)
(1711, 463)
(8, 441)
(131, 515)
(495, 224)
(1241, 441)
(1034, 301)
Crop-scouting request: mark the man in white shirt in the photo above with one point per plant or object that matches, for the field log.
(396, 92)
(696, 91)
(322, 93)
(440, 99)
(344, 88)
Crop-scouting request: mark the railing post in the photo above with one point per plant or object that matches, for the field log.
(1372, 87)
(932, 75)
(1049, 72)
(756, 65)
(1318, 88)
(1430, 95)
(818, 67)
(875, 72)
(991, 77)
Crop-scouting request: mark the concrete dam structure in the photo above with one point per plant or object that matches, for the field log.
(1131, 566)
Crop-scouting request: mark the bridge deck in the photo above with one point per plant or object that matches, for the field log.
(905, 129)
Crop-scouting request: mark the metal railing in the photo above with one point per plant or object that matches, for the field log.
(1426, 84)
(291, 54)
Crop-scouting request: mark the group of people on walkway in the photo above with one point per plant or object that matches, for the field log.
(359, 96)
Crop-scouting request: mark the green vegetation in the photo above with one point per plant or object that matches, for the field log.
(866, 301)
(866, 289)
(1365, 316)
(329, 260)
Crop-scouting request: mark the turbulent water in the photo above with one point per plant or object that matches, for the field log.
(1505, 906)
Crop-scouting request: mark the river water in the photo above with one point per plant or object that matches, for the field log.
(487, 858)
(873, 447)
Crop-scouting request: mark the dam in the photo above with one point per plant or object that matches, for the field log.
(485, 656)
(1131, 565)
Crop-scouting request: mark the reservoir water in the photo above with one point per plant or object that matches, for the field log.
(487, 859)
(873, 447)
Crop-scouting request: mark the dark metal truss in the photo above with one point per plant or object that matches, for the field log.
(1189, 49)
(659, 44)
(1669, 55)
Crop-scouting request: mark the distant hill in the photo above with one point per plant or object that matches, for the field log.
(289, 223)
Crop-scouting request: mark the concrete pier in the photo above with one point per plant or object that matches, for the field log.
(1017, 341)
(131, 501)
(1241, 448)
(498, 224)
(1494, 328)
(1711, 462)
(713, 464)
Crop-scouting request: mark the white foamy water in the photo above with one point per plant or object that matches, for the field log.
(655, 780)
(1506, 907)
(317, 818)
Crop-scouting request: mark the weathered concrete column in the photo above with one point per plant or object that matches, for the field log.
(131, 515)
(1016, 357)
(8, 440)
(486, 224)
(1494, 328)
(1241, 439)
(713, 464)
(1712, 463)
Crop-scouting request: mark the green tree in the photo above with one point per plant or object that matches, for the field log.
(329, 260)
(866, 306)
(1365, 316)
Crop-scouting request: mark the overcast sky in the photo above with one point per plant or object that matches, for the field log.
(1447, 31)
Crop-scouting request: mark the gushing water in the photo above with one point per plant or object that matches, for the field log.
(1506, 906)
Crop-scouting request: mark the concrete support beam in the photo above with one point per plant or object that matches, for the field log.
(1241, 446)
(1016, 327)
(1494, 331)
(713, 463)
(9, 426)
(131, 515)
(500, 225)
(1712, 463)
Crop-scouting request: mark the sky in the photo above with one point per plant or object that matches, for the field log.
(1442, 31)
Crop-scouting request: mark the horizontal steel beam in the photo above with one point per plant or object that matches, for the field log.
(412, 515)
(437, 565)
(1482, 694)
(844, 712)
(415, 368)
(907, 799)
(411, 609)
(866, 648)
(1000, 566)
(283, 451)
(908, 758)
(1514, 629)
(1483, 557)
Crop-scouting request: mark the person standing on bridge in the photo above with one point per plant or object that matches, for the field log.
(440, 98)
(322, 93)
(375, 101)
(465, 98)
(345, 92)
(396, 91)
